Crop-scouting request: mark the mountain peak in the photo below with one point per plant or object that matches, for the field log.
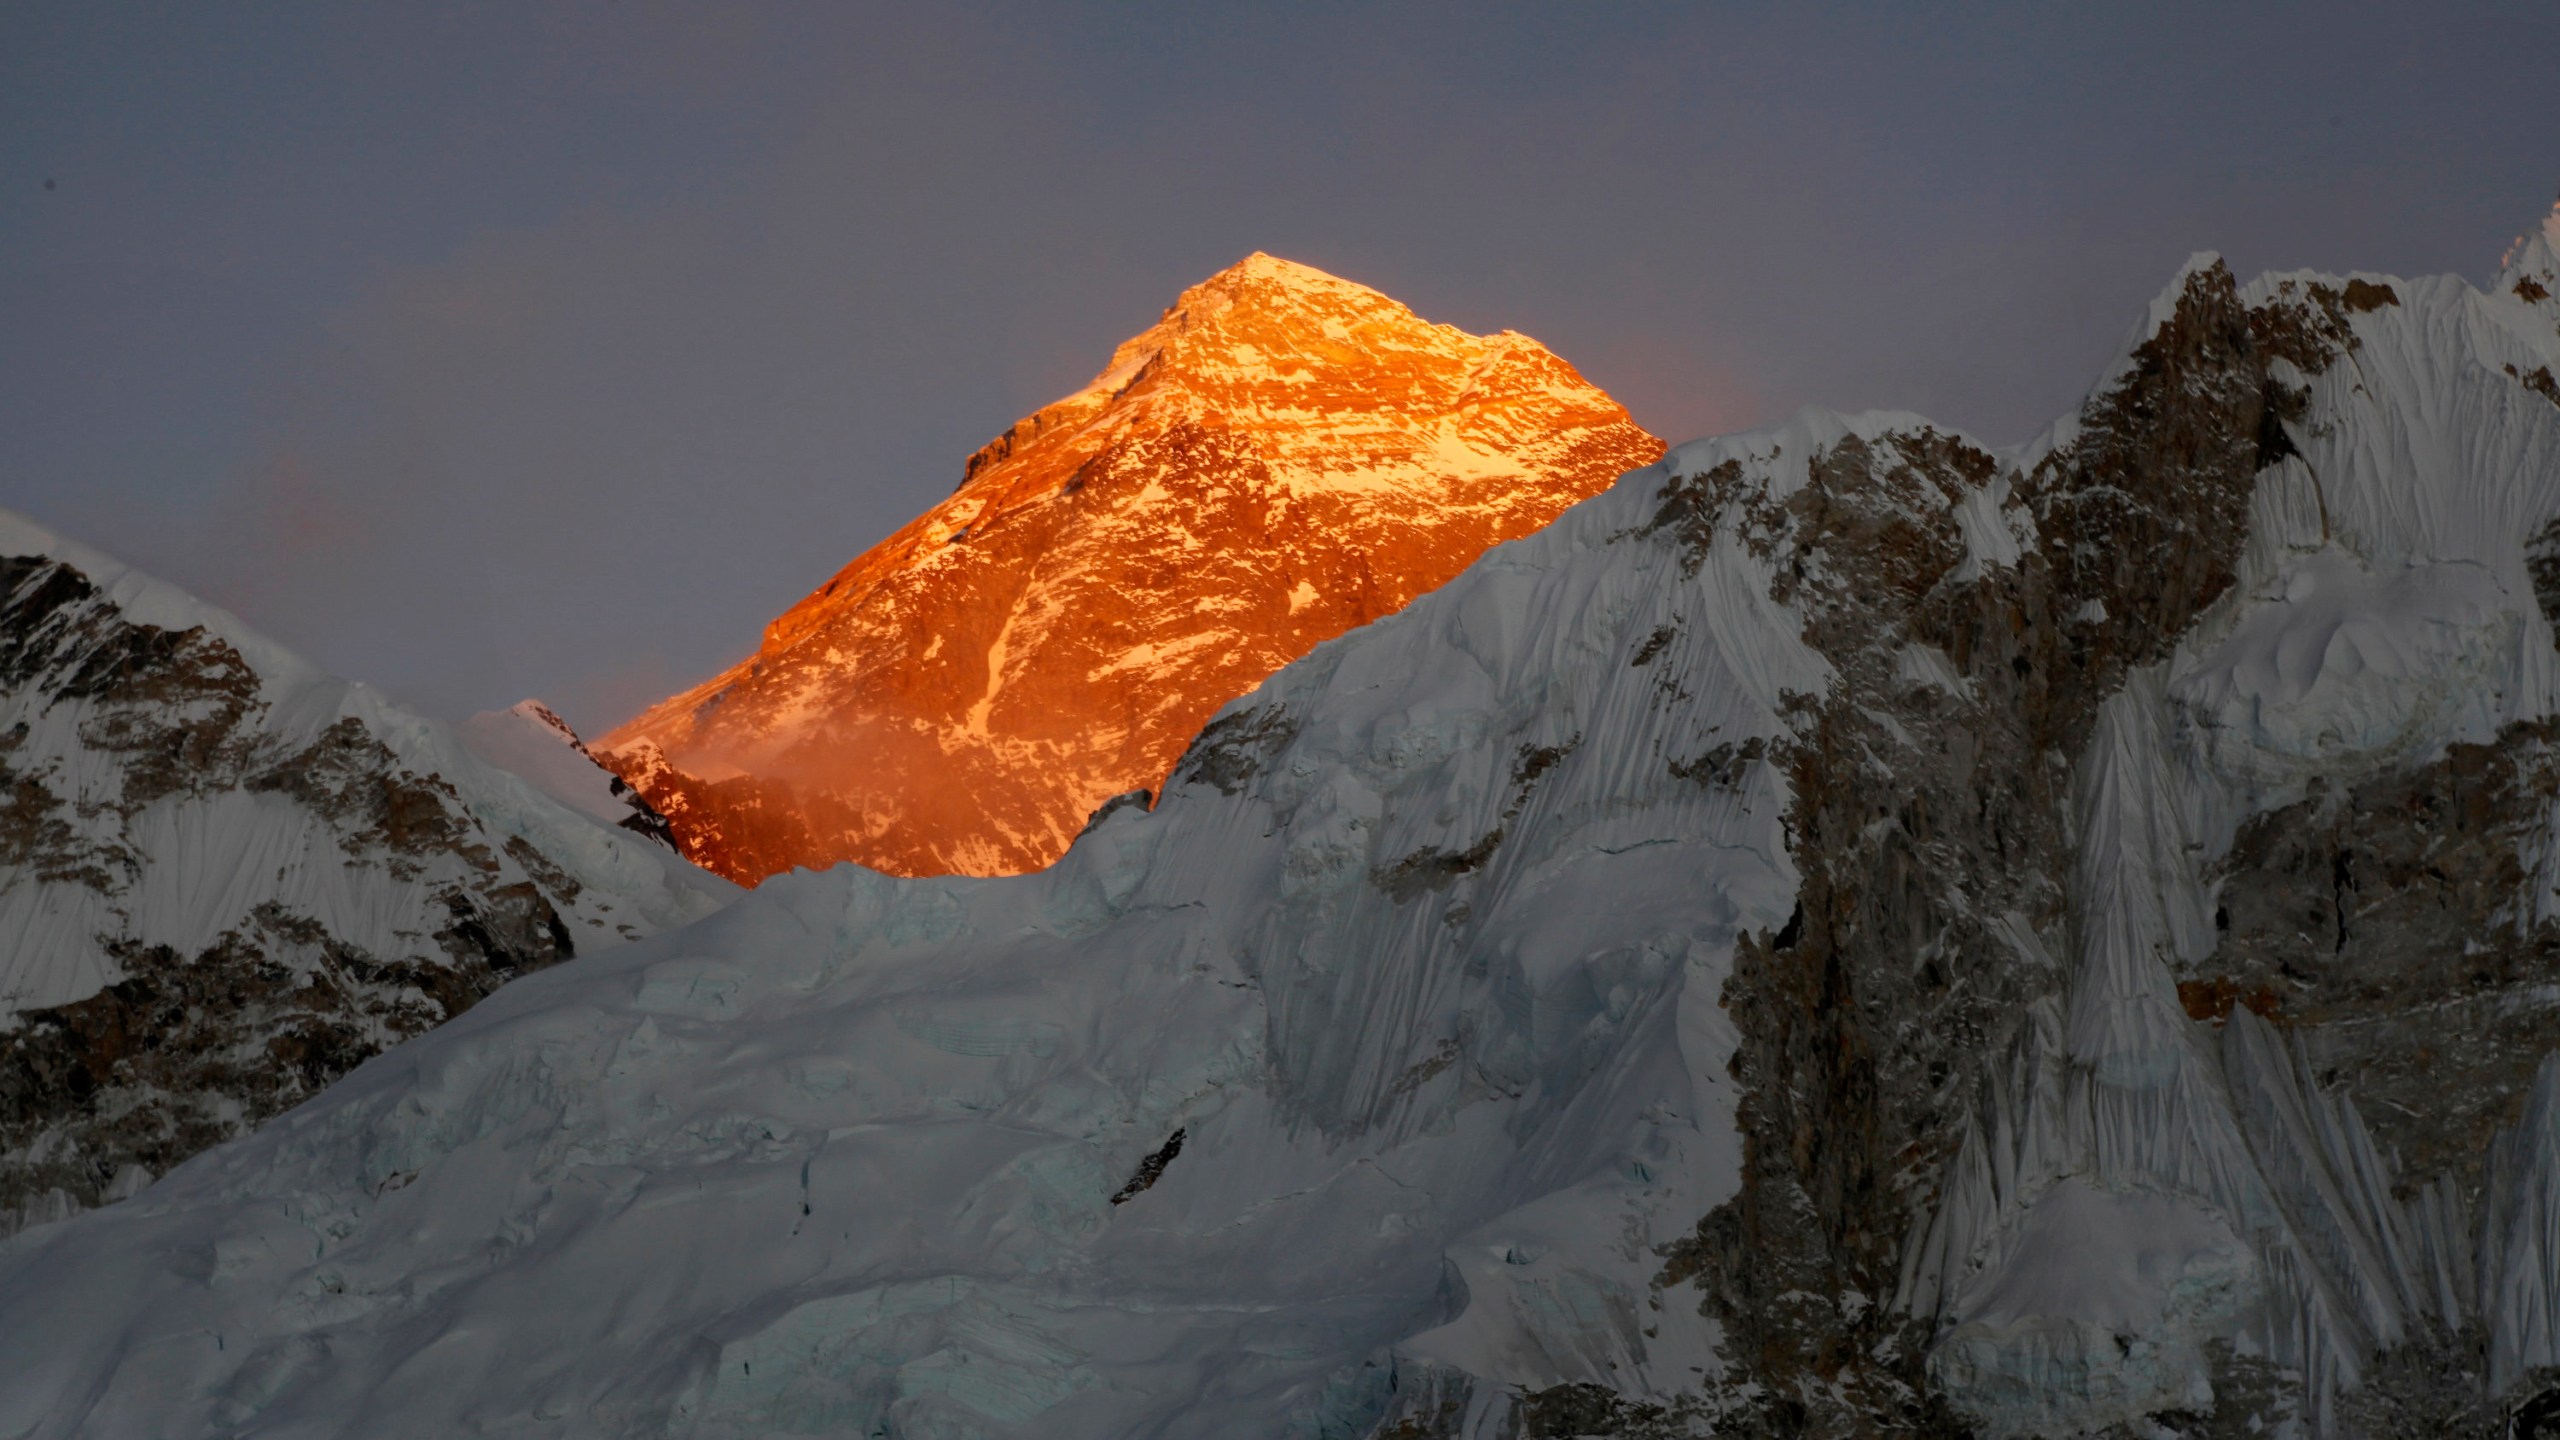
(2530, 270)
(1274, 322)
(1264, 266)
(1262, 280)
(1282, 455)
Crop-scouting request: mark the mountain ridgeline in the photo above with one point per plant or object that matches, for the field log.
(227, 879)
(1848, 931)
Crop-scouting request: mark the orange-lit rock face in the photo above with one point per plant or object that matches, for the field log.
(1283, 456)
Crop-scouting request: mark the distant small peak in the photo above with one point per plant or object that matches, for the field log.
(2530, 269)
(1264, 263)
(2550, 229)
(549, 719)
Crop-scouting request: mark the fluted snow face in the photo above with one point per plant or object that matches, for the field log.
(2383, 611)
(1284, 455)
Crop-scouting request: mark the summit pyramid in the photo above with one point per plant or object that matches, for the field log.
(1281, 457)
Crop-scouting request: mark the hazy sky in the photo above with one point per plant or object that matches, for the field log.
(506, 350)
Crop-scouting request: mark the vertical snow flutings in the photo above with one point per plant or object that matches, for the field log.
(1938, 830)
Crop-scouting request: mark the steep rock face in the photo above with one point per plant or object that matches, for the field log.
(1282, 457)
(1747, 959)
(2376, 657)
(226, 880)
(1975, 615)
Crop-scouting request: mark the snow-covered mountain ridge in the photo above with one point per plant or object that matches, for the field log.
(529, 739)
(1844, 933)
(1283, 455)
(225, 878)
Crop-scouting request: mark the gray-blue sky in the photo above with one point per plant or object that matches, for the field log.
(485, 351)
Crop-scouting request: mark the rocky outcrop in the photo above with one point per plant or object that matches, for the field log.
(1935, 816)
(226, 881)
(1282, 457)
(2373, 623)
(2405, 931)
(1974, 614)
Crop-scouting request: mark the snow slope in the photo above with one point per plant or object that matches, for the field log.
(1418, 956)
(225, 876)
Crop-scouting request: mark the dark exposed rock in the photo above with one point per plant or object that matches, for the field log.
(1430, 1404)
(36, 833)
(1432, 868)
(645, 818)
(354, 780)
(1231, 749)
(2435, 1384)
(1149, 1171)
(1722, 765)
(1860, 1020)
(2539, 381)
(189, 1050)
(1931, 820)
(2393, 926)
(2542, 562)
(1691, 507)
(172, 705)
(2536, 1416)
(2142, 517)
(184, 1050)
(1126, 800)
(555, 882)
